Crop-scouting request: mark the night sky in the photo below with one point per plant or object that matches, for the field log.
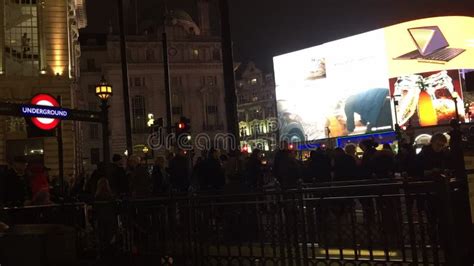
(264, 28)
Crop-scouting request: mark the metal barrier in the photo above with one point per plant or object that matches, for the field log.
(393, 223)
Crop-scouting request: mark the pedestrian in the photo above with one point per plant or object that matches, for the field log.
(319, 166)
(344, 167)
(159, 176)
(180, 172)
(118, 176)
(17, 191)
(384, 162)
(106, 217)
(434, 158)
(368, 147)
(405, 160)
(91, 185)
(213, 171)
(39, 184)
(39, 180)
(254, 170)
(139, 179)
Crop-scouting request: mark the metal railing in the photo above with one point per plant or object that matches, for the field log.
(390, 223)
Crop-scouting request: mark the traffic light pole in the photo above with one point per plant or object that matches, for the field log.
(166, 67)
(229, 79)
(126, 97)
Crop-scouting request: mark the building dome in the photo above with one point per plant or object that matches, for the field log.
(182, 19)
(180, 14)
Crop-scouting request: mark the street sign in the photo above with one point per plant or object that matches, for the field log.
(44, 111)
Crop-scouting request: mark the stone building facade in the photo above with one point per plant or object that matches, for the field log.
(39, 53)
(197, 85)
(256, 107)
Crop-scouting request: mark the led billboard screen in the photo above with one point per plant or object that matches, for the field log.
(347, 87)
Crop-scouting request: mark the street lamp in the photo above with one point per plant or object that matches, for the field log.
(103, 91)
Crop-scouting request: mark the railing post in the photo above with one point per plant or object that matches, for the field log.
(411, 229)
(304, 230)
(447, 229)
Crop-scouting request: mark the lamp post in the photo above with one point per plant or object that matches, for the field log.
(103, 90)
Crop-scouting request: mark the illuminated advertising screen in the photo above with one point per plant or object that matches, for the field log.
(364, 83)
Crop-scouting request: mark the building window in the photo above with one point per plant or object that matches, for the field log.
(21, 37)
(137, 82)
(95, 156)
(216, 54)
(211, 81)
(211, 109)
(253, 81)
(150, 55)
(176, 82)
(177, 110)
(91, 64)
(139, 114)
(194, 54)
(94, 131)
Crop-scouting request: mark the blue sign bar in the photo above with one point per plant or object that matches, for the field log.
(43, 111)
(381, 138)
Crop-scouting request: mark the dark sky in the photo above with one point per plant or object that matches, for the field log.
(264, 28)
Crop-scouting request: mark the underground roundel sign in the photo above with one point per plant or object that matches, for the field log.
(44, 111)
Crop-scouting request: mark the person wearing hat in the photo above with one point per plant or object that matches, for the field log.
(16, 191)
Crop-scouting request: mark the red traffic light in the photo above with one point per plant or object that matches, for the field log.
(291, 147)
(181, 125)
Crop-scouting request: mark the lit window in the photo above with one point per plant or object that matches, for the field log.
(21, 44)
(195, 53)
(253, 81)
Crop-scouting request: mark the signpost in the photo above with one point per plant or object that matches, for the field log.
(44, 111)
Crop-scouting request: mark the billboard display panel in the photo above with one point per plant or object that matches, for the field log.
(347, 87)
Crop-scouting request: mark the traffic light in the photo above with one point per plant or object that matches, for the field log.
(183, 125)
(183, 132)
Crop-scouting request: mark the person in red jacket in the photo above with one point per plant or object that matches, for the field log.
(39, 184)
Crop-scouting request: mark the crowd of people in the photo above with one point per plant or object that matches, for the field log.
(232, 172)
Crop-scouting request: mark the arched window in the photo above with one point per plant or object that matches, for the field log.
(216, 54)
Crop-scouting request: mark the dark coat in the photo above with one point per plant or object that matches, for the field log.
(179, 173)
(16, 189)
(118, 180)
(212, 174)
(428, 160)
(140, 182)
(345, 168)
